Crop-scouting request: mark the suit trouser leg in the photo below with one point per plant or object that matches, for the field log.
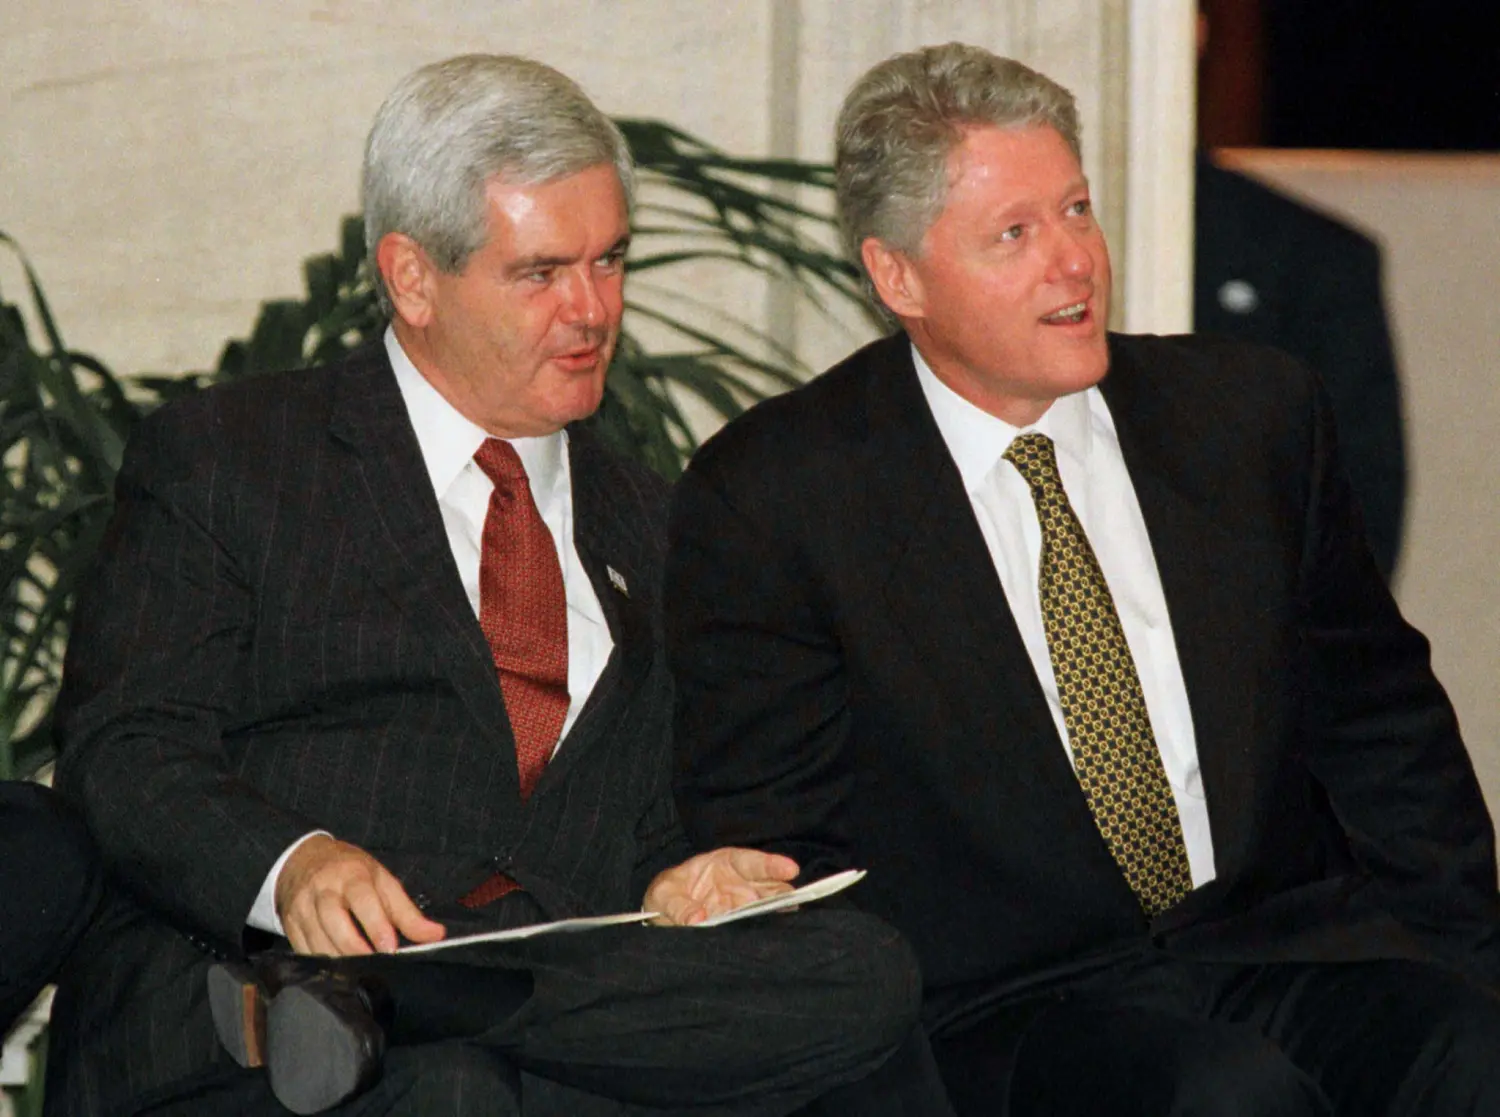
(1391, 1038)
(49, 886)
(908, 1084)
(1383, 1039)
(1080, 1056)
(754, 1018)
(452, 1079)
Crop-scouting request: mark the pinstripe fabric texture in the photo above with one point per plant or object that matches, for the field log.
(751, 1021)
(276, 639)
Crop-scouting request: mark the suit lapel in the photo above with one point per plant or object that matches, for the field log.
(609, 554)
(938, 566)
(401, 539)
(1207, 576)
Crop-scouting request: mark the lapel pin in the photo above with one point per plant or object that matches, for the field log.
(617, 580)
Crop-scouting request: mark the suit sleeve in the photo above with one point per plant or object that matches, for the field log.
(763, 714)
(155, 660)
(1349, 343)
(660, 842)
(1385, 740)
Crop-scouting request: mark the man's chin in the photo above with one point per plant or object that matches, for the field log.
(1083, 367)
(581, 405)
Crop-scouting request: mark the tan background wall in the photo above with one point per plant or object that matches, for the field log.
(168, 164)
(1438, 219)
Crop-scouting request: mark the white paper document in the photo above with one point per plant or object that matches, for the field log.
(584, 923)
(817, 890)
(808, 893)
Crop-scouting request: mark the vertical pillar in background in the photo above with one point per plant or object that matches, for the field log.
(783, 117)
(1161, 61)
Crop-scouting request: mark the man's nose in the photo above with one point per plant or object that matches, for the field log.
(584, 302)
(1071, 255)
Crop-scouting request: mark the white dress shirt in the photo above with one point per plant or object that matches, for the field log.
(448, 442)
(1099, 489)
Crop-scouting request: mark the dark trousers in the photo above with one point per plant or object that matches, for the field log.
(755, 1018)
(49, 887)
(1159, 1036)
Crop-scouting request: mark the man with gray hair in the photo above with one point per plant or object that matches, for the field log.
(372, 654)
(1073, 641)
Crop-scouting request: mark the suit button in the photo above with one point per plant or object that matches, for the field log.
(422, 900)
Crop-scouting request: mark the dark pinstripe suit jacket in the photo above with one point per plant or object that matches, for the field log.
(276, 639)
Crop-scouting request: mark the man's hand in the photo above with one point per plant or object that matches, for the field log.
(719, 881)
(334, 898)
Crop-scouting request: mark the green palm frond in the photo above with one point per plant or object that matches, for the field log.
(64, 420)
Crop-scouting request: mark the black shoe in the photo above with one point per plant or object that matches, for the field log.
(317, 1032)
(239, 1012)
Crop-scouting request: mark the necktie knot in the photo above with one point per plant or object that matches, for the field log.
(1035, 459)
(500, 462)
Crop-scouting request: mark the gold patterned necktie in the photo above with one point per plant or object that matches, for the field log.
(1114, 751)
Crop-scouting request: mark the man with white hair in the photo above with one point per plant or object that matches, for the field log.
(1074, 642)
(372, 654)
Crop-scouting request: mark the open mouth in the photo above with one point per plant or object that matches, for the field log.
(1068, 315)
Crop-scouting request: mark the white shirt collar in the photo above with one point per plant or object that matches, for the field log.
(449, 440)
(976, 439)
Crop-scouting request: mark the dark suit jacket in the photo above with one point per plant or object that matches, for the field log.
(1310, 285)
(853, 691)
(276, 639)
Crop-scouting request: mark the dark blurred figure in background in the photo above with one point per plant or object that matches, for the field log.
(1269, 269)
(49, 886)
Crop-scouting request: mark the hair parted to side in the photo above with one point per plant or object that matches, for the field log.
(451, 126)
(903, 118)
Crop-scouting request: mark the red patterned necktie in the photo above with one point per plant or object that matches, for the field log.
(523, 611)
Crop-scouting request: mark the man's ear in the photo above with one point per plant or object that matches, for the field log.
(408, 274)
(896, 280)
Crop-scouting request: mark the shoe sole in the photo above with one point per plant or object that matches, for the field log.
(239, 1013)
(314, 1059)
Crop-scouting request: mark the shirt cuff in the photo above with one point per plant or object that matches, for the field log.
(263, 915)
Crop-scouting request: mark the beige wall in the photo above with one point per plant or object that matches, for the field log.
(168, 164)
(1438, 218)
